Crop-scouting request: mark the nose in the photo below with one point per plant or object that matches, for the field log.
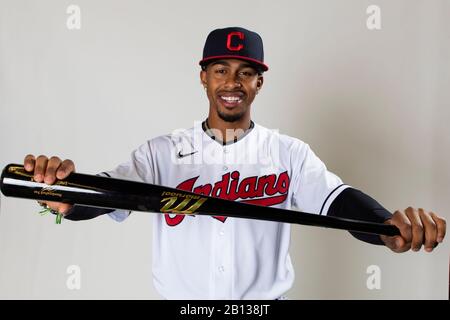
(233, 81)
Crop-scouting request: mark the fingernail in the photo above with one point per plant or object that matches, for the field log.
(428, 249)
(415, 249)
(37, 177)
(398, 242)
(439, 239)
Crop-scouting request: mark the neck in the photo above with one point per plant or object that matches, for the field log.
(229, 130)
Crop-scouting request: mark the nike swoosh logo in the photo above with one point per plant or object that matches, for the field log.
(180, 155)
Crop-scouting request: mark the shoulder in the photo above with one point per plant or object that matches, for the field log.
(285, 143)
(169, 141)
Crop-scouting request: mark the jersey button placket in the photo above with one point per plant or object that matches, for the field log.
(223, 275)
(228, 156)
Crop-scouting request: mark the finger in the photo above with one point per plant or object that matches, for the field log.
(441, 226)
(401, 221)
(64, 208)
(42, 203)
(430, 230)
(40, 166)
(50, 173)
(396, 243)
(416, 228)
(66, 168)
(389, 241)
(28, 162)
(59, 207)
(400, 245)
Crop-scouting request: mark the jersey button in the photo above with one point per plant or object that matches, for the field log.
(221, 269)
(222, 232)
(225, 168)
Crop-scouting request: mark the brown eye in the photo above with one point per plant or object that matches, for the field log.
(247, 73)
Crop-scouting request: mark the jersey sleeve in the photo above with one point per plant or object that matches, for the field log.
(315, 187)
(138, 168)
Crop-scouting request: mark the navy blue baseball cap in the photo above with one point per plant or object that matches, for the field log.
(234, 43)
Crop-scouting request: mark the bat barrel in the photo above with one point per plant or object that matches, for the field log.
(81, 189)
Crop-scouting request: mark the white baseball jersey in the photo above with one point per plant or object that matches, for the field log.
(205, 257)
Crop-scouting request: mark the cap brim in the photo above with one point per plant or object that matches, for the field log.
(255, 62)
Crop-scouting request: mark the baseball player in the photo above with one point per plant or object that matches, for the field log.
(229, 156)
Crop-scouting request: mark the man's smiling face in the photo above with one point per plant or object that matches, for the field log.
(232, 85)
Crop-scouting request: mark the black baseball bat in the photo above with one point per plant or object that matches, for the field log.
(103, 192)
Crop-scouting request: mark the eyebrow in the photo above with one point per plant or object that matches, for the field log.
(225, 63)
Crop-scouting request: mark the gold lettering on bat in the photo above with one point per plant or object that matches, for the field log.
(76, 185)
(179, 194)
(44, 192)
(20, 171)
(171, 207)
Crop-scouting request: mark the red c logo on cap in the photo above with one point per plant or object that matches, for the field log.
(230, 35)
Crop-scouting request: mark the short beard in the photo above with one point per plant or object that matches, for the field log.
(230, 118)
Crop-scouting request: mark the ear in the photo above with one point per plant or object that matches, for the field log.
(259, 82)
(203, 81)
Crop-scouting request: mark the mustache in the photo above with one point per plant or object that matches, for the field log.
(240, 92)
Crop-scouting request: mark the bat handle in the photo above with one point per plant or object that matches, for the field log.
(390, 230)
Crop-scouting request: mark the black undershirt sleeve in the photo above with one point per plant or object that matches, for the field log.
(77, 213)
(354, 204)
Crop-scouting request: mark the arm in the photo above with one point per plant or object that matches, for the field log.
(77, 213)
(354, 204)
(417, 226)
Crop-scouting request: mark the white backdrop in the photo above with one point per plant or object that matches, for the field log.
(373, 104)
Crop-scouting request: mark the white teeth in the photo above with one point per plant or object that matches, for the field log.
(231, 99)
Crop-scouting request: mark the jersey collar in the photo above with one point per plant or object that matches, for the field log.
(210, 134)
